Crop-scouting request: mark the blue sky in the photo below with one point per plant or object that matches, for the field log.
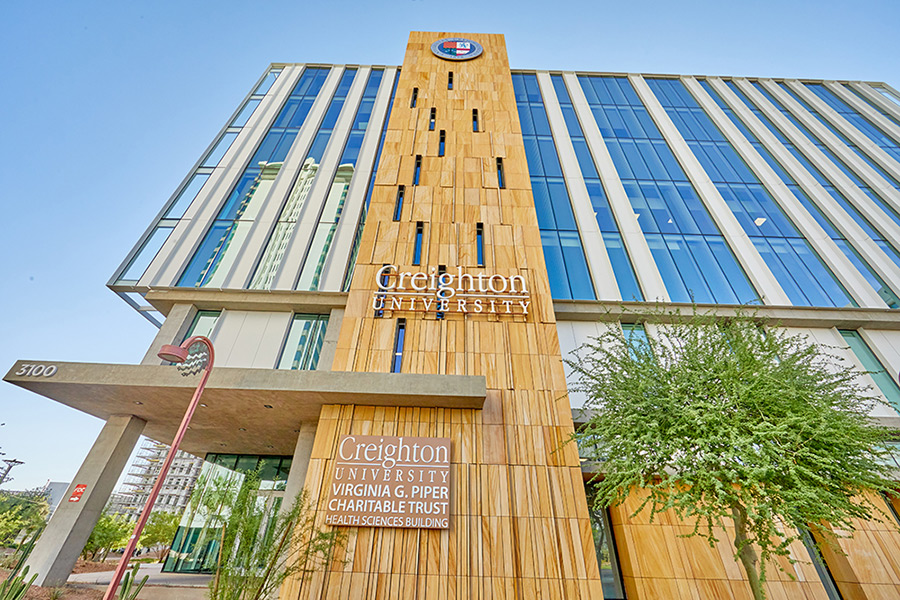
(107, 106)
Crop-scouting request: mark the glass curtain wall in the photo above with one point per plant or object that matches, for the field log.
(311, 272)
(179, 204)
(195, 548)
(848, 207)
(693, 258)
(618, 256)
(563, 252)
(605, 547)
(871, 131)
(871, 276)
(278, 241)
(362, 218)
(804, 277)
(856, 149)
(871, 104)
(222, 244)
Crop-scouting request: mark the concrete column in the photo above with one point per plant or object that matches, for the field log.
(175, 327)
(599, 265)
(58, 548)
(300, 464)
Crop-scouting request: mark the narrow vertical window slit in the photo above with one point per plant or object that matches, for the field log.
(450, 80)
(418, 169)
(442, 143)
(479, 243)
(415, 96)
(501, 179)
(432, 118)
(474, 119)
(399, 337)
(398, 204)
(417, 249)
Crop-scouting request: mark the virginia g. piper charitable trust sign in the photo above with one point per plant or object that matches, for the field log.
(382, 481)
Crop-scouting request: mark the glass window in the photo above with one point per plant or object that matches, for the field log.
(479, 243)
(883, 379)
(674, 220)
(563, 251)
(138, 265)
(417, 249)
(215, 155)
(605, 548)
(796, 266)
(304, 342)
(400, 336)
(223, 240)
(187, 195)
(204, 323)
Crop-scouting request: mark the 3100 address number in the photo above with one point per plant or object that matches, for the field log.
(28, 370)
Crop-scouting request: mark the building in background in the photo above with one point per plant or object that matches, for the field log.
(142, 473)
(558, 203)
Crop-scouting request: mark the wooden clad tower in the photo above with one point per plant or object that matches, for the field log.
(519, 524)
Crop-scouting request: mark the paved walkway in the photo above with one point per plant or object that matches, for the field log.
(151, 569)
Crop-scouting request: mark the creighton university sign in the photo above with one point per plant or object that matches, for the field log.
(447, 292)
(384, 481)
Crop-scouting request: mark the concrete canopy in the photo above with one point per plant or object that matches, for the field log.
(247, 411)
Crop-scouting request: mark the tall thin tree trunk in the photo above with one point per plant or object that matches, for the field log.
(747, 553)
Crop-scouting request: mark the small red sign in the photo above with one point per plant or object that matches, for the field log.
(77, 493)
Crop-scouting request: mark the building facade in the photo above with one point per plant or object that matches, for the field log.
(142, 473)
(384, 251)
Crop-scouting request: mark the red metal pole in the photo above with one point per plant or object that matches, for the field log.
(161, 478)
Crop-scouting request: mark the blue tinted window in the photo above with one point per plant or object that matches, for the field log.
(622, 268)
(883, 379)
(272, 149)
(802, 274)
(563, 252)
(677, 226)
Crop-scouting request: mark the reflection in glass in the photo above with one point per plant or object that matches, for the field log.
(204, 323)
(215, 155)
(195, 548)
(304, 342)
(884, 380)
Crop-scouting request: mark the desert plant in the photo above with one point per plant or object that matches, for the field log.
(263, 543)
(129, 589)
(56, 593)
(720, 419)
(15, 587)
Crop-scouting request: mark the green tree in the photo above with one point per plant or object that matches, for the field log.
(263, 543)
(111, 531)
(719, 419)
(160, 531)
(21, 511)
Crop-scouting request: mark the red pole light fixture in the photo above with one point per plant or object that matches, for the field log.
(194, 355)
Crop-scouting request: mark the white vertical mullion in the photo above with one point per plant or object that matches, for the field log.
(271, 206)
(645, 269)
(865, 109)
(872, 212)
(870, 252)
(741, 245)
(862, 141)
(308, 219)
(336, 264)
(824, 246)
(599, 265)
(179, 249)
(876, 98)
(872, 178)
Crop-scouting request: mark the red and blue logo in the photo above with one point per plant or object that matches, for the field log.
(456, 49)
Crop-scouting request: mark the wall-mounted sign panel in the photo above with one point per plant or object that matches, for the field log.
(383, 481)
